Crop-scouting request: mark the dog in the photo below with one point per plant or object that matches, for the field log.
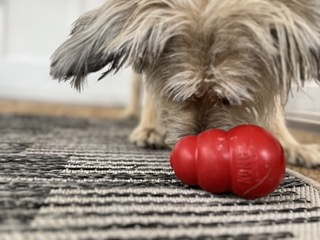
(204, 64)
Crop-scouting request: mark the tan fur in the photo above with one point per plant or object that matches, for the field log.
(133, 108)
(205, 63)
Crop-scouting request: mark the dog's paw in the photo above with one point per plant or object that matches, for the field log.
(148, 137)
(307, 155)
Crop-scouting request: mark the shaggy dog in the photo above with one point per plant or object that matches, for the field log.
(204, 63)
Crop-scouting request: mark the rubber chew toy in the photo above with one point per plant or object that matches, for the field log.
(247, 161)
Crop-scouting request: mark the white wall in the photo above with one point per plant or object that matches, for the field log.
(30, 31)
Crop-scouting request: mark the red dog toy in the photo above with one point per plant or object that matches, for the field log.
(247, 160)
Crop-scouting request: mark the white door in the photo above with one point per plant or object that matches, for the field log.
(30, 31)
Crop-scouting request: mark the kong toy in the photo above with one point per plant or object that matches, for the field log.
(247, 161)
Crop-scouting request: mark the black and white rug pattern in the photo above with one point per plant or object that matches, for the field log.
(65, 178)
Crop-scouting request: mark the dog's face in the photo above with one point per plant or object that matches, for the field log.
(207, 79)
(211, 63)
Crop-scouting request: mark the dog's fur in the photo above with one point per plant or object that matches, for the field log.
(205, 63)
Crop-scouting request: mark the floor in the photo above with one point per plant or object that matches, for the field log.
(114, 113)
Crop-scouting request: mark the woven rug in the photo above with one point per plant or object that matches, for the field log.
(64, 178)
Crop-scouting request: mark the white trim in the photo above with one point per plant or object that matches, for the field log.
(306, 117)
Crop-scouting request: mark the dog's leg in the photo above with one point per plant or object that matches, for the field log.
(133, 108)
(149, 132)
(307, 155)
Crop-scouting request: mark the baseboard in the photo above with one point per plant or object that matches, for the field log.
(308, 121)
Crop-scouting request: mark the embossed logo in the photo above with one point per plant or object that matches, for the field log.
(244, 172)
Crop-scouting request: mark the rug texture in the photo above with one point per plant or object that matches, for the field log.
(64, 178)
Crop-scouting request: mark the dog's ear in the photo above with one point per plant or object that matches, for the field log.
(296, 38)
(117, 34)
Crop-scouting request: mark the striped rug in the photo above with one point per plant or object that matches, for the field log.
(65, 178)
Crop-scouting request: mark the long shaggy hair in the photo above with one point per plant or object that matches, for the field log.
(205, 63)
